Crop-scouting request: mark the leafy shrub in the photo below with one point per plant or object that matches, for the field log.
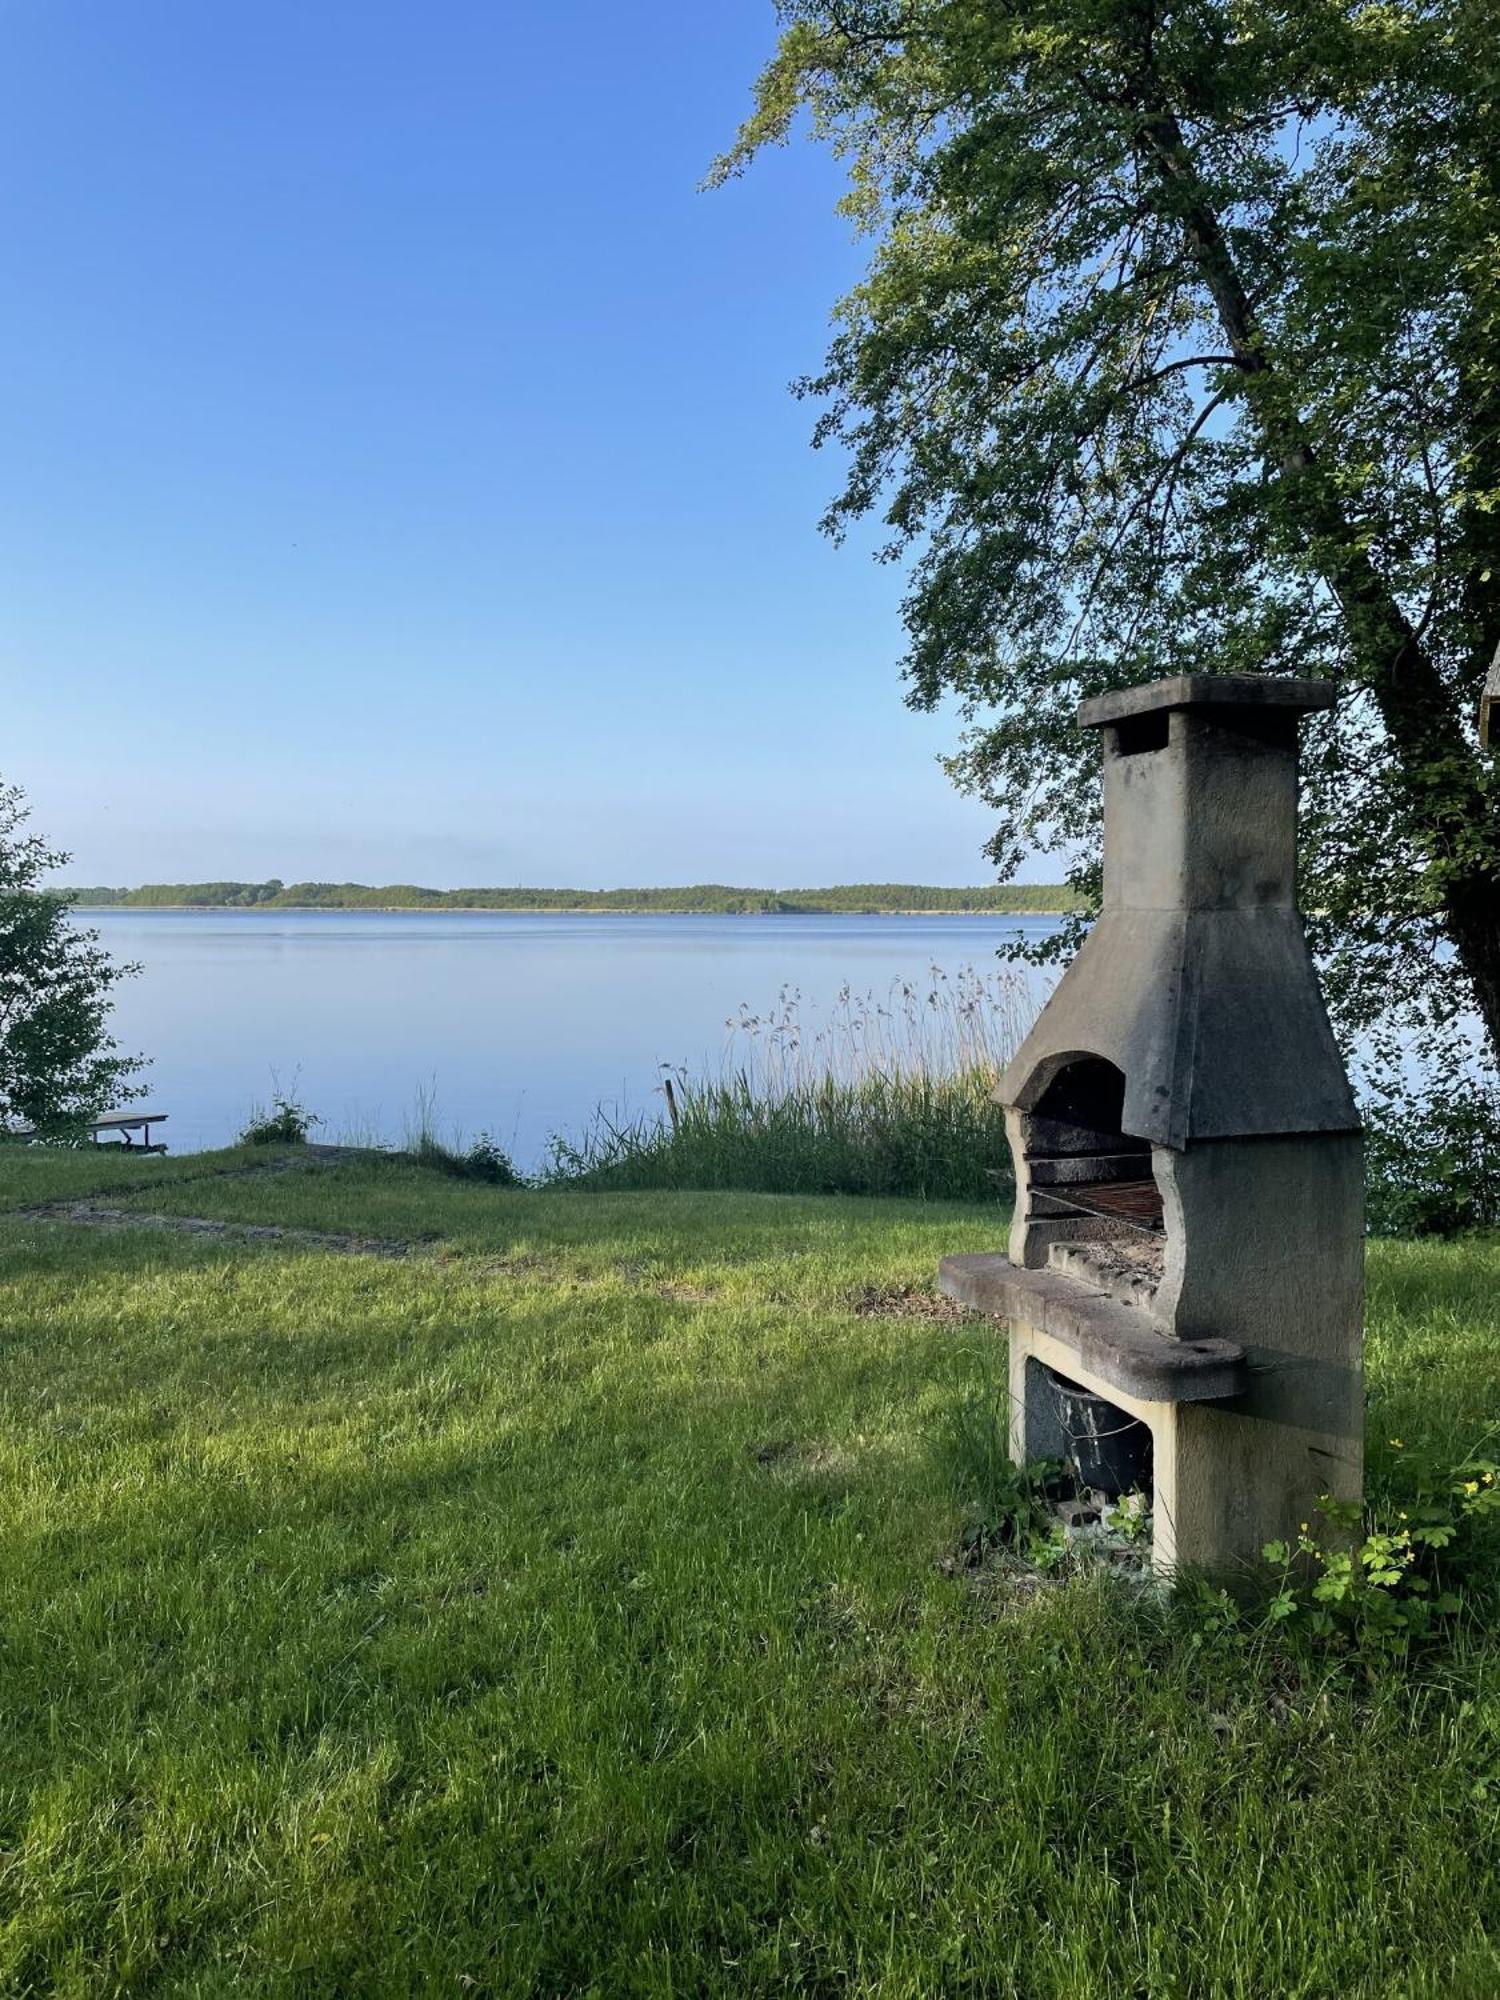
(1372, 1586)
(285, 1122)
(1432, 1159)
(482, 1161)
(1393, 1575)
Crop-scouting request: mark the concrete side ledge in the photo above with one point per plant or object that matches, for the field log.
(1114, 1343)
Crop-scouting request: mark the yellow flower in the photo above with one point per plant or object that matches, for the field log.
(1397, 1442)
(1471, 1486)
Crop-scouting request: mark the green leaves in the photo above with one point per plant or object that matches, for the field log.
(1371, 1584)
(1177, 351)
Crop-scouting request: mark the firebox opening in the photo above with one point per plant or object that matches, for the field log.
(1079, 1158)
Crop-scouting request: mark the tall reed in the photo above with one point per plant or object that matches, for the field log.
(881, 1095)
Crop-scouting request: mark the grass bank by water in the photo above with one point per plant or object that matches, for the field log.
(571, 1599)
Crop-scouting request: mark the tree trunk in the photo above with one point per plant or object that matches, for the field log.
(1456, 810)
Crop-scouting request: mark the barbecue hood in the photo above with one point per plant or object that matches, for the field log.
(1196, 982)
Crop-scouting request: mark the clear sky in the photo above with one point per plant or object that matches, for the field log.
(399, 479)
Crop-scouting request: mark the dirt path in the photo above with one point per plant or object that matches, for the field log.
(97, 1212)
(98, 1215)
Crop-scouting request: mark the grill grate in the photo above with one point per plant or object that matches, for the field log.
(1136, 1202)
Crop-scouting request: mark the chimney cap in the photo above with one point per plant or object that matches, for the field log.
(1253, 691)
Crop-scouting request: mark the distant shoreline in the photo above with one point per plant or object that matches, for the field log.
(698, 899)
(538, 910)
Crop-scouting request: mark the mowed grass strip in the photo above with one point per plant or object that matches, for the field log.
(760, 1247)
(570, 1608)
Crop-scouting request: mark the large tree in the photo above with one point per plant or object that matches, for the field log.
(1179, 349)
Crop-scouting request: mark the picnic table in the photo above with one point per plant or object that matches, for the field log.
(126, 1122)
(123, 1122)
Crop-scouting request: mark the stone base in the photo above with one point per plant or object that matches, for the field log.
(1244, 1441)
(1224, 1482)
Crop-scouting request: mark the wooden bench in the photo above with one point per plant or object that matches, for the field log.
(123, 1122)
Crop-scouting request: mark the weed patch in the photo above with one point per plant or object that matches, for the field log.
(285, 1121)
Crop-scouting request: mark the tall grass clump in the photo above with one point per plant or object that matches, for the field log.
(882, 1096)
(482, 1159)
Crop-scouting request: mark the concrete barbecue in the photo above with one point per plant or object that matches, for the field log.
(1186, 1257)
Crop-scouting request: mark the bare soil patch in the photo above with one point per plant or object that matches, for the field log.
(96, 1215)
(905, 1302)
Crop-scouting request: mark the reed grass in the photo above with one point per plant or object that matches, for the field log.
(882, 1095)
(452, 1151)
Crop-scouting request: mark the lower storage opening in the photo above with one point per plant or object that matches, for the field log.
(1106, 1449)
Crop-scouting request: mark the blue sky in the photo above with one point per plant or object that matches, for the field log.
(399, 479)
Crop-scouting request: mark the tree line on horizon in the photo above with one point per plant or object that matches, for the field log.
(700, 899)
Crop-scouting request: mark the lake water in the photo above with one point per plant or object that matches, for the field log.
(516, 1025)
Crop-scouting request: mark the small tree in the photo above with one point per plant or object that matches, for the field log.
(58, 1066)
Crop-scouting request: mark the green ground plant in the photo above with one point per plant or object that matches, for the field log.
(427, 1145)
(579, 1603)
(1007, 1506)
(482, 1159)
(285, 1121)
(1373, 1583)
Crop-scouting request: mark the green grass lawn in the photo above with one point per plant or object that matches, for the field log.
(32, 1174)
(570, 1607)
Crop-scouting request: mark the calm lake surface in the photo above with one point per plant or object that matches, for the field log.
(516, 1025)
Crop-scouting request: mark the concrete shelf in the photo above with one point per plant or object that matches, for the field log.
(1114, 1344)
